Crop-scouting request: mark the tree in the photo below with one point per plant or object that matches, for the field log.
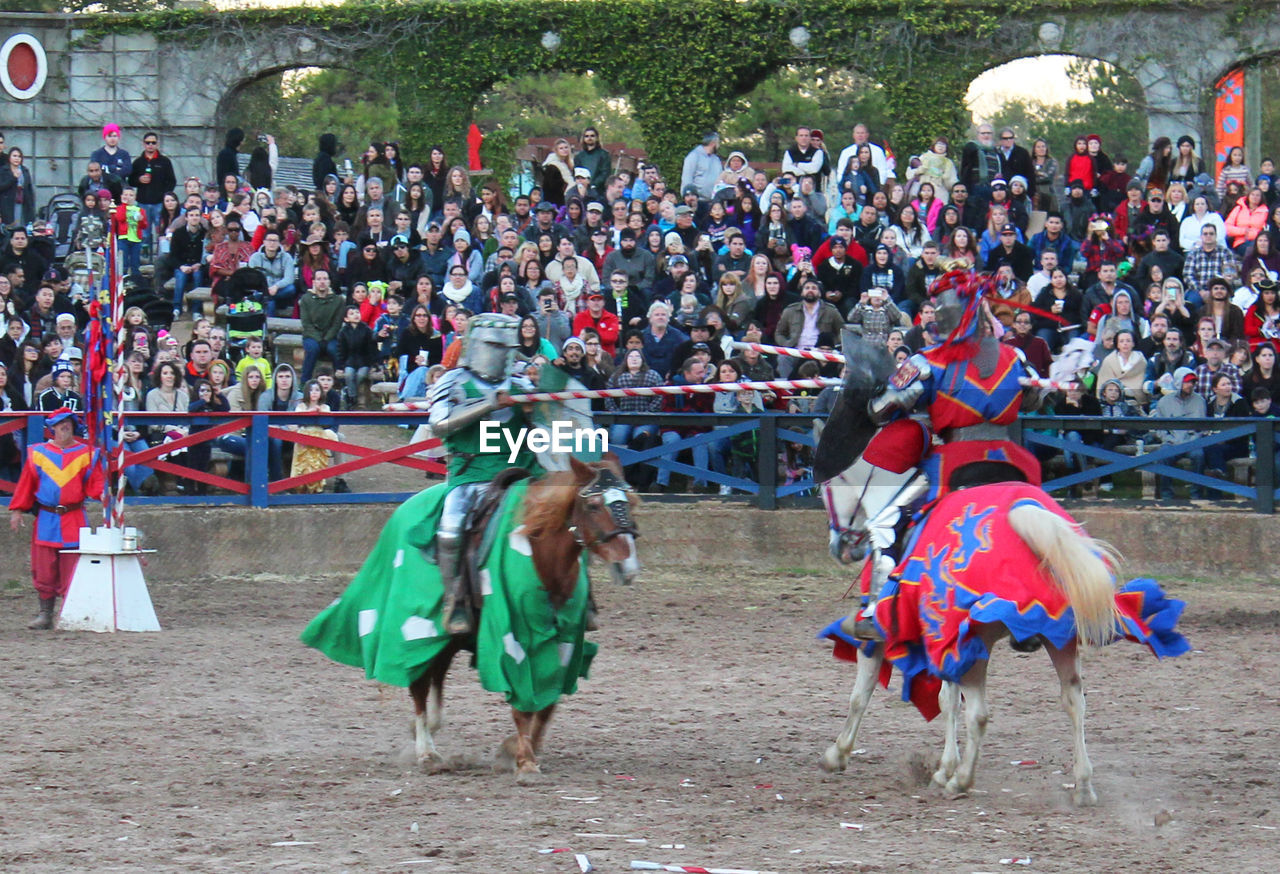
(110, 6)
(559, 104)
(297, 106)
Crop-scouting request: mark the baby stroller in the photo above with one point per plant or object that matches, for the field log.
(246, 320)
(60, 214)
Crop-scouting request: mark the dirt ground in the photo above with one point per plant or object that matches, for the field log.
(222, 744)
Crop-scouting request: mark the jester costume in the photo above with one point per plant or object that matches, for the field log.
(57, 478)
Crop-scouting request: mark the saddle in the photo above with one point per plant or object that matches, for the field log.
(479, 529)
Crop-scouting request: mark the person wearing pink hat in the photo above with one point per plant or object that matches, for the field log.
(114, 160)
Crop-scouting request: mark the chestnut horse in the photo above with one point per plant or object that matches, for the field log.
(587, 507)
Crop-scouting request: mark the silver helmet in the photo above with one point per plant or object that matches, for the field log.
(491, 345)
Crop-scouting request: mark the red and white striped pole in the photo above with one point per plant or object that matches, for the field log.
(648, 391)
(638, 865)
(118, 375)
(837, 358)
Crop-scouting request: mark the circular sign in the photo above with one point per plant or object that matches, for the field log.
(23, 66)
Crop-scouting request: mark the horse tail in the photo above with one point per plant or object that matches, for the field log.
(1080, 564)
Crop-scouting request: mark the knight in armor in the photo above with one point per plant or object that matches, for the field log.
(477, 391)
(964, 391)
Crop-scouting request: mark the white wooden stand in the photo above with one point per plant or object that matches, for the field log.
(108, 592)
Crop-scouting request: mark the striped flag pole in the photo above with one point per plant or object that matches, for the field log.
(116, 376)
(646, 392)
(837, 358)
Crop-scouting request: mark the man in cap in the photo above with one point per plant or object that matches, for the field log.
(1011, 252)
(573, 361)
(544, 222)
(582, 186)
(58, 476)
(1215, 362)
(604, 322)
(61, 392)
(405, 267)
(702, 166)
(478, 390)
(699, 334)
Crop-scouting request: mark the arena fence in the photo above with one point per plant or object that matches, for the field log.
(776, 473)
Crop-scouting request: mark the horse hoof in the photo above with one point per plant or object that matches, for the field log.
(528, 774)
(431, 763)
(1084, 797)
(832, 762)
(940, 778)
(956, 788)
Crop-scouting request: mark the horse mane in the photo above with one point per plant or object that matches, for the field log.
(549, 501)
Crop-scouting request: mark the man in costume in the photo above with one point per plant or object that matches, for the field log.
(477, 391)
(58, 476)
(969, 387)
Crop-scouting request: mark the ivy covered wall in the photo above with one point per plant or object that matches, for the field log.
(680, 62)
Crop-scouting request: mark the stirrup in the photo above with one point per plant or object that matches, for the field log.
(457, 618)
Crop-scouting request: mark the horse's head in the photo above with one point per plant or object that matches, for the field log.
(601, 517)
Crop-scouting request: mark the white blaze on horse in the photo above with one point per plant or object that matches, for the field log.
(986, 560)
(531, 590)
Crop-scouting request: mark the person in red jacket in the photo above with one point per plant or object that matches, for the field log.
(129, 221)
(58, 476)
(605, 323)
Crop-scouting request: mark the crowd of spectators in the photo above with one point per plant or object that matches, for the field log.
(1166, 273)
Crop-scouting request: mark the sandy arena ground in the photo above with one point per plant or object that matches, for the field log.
(222, 744)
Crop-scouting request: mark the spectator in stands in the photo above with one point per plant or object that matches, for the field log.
(1227, 318)
(152, 174)
(322, 314)
(1233, 170)
(323, 165)
(229, 255)
(17, 190)
(113, 159)
(1215, 363)
(283, 397)
(802, 322)
(1208, 260)
(1247, 220)
(594, 158)
(357, 354)
(661, 339)
(633, 373)
(1126, 365)
(638, 264)
(228, 160)
(1181, 402)
(20, 254)
(691, 372)
(605, 323)
(702, 167)
(278, 268)
(1010, 251)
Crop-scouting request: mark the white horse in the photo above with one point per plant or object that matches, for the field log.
(1081, 566)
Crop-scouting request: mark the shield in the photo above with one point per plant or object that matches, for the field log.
(849, 427)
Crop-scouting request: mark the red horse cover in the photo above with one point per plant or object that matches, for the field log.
(965, 567)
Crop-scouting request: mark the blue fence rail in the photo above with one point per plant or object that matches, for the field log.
(764, 481)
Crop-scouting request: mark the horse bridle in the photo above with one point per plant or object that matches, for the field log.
(613, 490)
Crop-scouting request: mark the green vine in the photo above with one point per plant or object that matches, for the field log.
(681, 62)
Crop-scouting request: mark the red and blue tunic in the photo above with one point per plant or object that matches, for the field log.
(957, 396)
(57, 477)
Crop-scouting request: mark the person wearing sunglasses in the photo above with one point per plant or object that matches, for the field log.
(152, 175)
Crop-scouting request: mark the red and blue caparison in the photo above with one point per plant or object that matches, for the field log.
(964, 567)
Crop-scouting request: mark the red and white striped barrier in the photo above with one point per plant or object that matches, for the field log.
(789, 352)
(837, 358)
(592, 394)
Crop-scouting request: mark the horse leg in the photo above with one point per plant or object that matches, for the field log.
(836, 758)
(519, 746)
(973, 686)
(949, 698)
(540, 721)
(1066, 662)
(423, 743)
